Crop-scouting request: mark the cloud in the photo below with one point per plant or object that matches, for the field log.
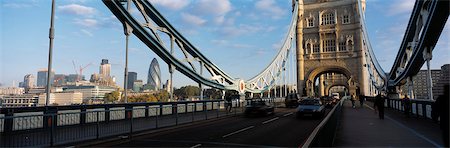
(192, 19)
(88, 33)
(90, 23)
(270, 8)
(171, 4)
(76, 9)
(218, 9)
(400, 7)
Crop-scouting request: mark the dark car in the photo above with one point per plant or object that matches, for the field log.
(258, 107)
(291, 100)
(328, 101)
(311, 107)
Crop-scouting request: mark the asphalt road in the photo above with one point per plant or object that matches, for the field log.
(280, 130)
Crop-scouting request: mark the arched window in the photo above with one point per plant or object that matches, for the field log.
(310, 22)
(308, 48)
(327, 18)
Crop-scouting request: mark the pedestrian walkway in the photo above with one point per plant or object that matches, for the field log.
(361, 127)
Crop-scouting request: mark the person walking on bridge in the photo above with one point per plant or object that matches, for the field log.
(379, 104)
(353, 99)
(361, 100)
(407, 105)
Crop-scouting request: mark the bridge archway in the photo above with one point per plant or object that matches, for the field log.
(328, 88)
(314, 74)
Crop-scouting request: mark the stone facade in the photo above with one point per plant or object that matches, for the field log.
(329, 40)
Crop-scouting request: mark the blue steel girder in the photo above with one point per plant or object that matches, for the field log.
(373, 66)
(219, 79)
(126, 18)
(425, 37)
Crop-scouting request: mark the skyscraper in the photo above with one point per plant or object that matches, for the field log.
(154, 75)
(42, 77)
(28, 81)
(105, 68)
(132, 76)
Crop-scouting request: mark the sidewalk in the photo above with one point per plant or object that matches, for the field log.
(361, 127)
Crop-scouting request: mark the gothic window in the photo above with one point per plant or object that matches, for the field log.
(308, 48)
(327, 18)
(310, 22)
(329, 45)
(316, 48)
(342, 46)
(346, 19)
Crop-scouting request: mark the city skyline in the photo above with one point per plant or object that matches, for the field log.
(86, 31)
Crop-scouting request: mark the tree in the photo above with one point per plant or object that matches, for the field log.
(111, 97)
(187, 91)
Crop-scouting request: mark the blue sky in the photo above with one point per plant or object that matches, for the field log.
(240, 36)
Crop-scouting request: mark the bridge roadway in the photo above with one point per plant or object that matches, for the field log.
(282, 130)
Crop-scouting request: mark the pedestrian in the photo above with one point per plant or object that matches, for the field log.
(353, 99)
(361, 100)
(379, 105)
(228, 103)
(407, 105)
(443, 105)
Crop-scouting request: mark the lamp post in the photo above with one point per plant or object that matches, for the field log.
(51, 36)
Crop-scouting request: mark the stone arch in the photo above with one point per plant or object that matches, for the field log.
(327, 89)
(326, 69)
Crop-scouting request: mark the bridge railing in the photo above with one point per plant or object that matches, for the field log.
(419, 107)
(49, 126)
(323, 135)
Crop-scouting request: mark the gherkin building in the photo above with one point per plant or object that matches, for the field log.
(154, 75)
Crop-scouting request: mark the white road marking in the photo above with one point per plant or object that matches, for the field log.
(198, 145)
(241, 130)
(270, 120)
(288, 114)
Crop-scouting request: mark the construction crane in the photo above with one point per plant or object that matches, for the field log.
(80, 74)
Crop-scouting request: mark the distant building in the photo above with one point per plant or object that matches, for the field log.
(91, 93)
(104, 77)
(20, 100)
(12, 91)
(74, 78)
(105, 68)
(138, 84)
(28, 82)
(132, 76)
(42, 77)
(36, 90)
(59, 79)
(439, 77)
(168, 85)
(154, 75)
(61, 98)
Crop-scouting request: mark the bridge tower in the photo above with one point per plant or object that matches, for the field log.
(330, 41)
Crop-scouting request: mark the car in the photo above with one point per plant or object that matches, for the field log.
(311, 107)
(291, 100)
(328, 101)
(258, 107)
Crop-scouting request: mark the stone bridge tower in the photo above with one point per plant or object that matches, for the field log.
(330, 40)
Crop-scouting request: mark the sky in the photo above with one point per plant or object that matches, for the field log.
(240, 36)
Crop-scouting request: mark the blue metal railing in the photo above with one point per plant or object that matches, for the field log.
(50, 126)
